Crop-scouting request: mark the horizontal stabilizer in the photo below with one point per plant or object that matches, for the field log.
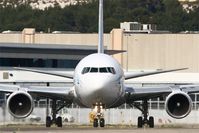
(64, 75)
(142, 74)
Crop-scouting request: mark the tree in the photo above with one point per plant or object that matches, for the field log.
(83, 17)
(172, 18)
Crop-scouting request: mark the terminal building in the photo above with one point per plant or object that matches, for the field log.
(60, 51)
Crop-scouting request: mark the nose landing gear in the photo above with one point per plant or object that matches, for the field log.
(98, 115)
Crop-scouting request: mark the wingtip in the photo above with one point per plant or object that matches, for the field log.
(17, 68)
(184, 68)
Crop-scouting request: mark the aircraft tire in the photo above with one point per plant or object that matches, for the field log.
(95, 123)
(140, 124)
(48, 121)
(151, 122)
(102, 122)
(59, 121)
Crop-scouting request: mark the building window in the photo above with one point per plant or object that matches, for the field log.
(47, 63)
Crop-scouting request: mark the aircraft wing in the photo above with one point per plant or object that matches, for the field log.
(127, 75)
(65, 75)
(190, 88)
(140, 93)
(8, 88)
(142, 74)
(40, 91)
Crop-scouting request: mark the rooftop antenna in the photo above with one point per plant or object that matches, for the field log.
(101, 28)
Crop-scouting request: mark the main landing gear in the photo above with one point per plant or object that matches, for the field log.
(98, 112)
(144, 119)
(54, 119)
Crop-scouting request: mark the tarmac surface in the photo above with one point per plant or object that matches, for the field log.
(88, 129)
(176, 130)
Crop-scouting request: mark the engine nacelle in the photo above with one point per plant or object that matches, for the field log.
(20, 104)
(178, 104)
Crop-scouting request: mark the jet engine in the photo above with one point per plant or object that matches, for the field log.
(178, 104)
(20, 104)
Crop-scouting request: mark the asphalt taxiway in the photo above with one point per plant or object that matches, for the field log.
(25, 129)
(175, 130)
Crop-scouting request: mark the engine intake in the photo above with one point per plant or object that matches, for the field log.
(20, 104)
(178, 104)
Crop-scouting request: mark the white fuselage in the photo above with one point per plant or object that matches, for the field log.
(99, 78)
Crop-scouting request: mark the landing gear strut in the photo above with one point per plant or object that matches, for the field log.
(99, 115)
(54, 119)
(142, 120)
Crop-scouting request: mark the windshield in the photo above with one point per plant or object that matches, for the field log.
(98, 70)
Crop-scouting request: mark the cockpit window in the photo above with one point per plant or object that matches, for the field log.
(111, 70)
(85, 70)
(100, 70)
(94, 70)
(103, 70)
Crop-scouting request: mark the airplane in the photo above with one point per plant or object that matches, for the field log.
(99, 84)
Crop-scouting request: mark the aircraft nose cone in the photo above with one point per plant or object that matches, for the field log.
(99, 84)
(95, 85)
(100, 89)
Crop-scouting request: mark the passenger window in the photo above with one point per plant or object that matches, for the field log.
(85, 70)
(103, 70)
(94, 70)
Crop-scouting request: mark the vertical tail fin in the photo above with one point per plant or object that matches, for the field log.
(101, 28)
